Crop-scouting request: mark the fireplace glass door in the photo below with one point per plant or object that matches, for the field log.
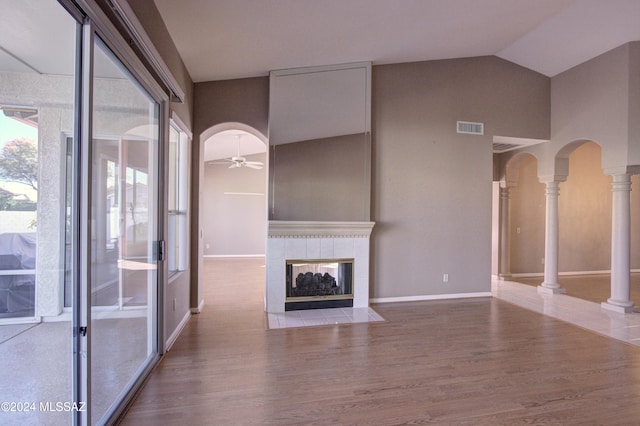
(314, 284)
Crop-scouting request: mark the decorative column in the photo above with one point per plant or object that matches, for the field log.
(550, 284)
(504, 268)
(620, 245)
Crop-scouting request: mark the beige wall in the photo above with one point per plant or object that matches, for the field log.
(432, 187)
(322, 179)
(584, 209)
(150, 18)
(599, 101)
(234, 223)
(526, 216)
(584, 216)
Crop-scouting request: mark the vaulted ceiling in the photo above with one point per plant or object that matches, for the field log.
(225, 39)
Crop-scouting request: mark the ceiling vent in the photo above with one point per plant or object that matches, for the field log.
(470, 128)
(504, 144)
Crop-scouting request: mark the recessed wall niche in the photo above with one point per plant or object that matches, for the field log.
(320, 144)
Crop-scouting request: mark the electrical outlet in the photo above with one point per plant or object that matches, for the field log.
(542, 260)
(207, 246)
(518, 230)
(445, 278)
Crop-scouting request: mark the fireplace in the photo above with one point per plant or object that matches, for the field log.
(324, 241)
(316, 284)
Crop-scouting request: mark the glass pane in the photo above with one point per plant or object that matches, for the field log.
(174, 158)
(124, 217)
(36, 119)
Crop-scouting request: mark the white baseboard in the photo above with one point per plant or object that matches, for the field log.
(231, 256)
(565, 274)
(172, 339)
(429, 297)
(199, 308)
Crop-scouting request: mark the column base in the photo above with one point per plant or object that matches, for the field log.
(504, 276)
(619, 307)
(550, 289)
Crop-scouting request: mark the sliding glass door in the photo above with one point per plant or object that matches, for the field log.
(80, 203)
(124, 217)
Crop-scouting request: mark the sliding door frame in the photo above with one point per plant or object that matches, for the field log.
(94, 23)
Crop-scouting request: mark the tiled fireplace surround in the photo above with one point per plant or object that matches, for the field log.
(315, 240)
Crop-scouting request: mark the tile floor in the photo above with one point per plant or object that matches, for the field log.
(312, 317)
(582, 313)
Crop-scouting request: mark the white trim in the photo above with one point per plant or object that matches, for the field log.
(430, 297)
(571, 273)
(181, 124)
(20, 320)
(318, 229)
(199, 308)
(174, 336)
(64, 316)
(231, 256)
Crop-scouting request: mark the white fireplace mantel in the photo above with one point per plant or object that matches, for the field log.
(316, 240)
(315, 229)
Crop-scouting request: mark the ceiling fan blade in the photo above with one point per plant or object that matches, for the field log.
(234, 166)
(252, 165)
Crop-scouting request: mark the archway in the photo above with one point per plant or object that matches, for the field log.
(518, 215)
(232, 199)
(234, 195)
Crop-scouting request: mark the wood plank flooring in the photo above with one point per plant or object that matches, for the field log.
(462, 362)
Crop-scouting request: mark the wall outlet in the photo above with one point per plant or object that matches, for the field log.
(445, 278)
(542, 260)
(207, 246)
(518, 230)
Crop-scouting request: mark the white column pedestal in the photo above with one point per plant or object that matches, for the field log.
(550, 284)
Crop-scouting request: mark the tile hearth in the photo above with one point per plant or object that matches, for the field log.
(315, 317)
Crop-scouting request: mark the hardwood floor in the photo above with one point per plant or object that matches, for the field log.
(464, 362)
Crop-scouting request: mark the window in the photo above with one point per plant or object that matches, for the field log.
(178, 250)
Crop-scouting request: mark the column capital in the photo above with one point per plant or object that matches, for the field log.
(621, 182)
(546, 179)
(621, 170)
(552, 188)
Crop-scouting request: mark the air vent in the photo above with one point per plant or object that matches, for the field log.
(470, 128)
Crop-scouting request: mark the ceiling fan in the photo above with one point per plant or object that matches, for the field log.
(238, 161)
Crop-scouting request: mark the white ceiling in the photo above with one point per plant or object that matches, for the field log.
(224, 39)
(225, 145)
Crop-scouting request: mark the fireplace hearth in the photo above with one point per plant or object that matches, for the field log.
(316, 284)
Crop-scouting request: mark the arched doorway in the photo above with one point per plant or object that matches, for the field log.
(232, 214)
(234, 195)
